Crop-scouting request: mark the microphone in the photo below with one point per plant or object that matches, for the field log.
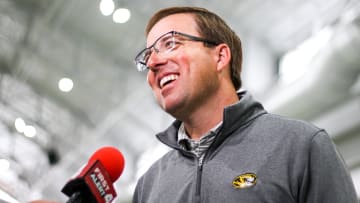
(94, 183)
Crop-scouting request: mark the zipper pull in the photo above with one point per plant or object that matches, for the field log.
(201, 161)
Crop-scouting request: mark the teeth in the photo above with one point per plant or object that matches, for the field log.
(166, 79)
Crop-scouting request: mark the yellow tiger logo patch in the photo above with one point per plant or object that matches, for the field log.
(244, 180)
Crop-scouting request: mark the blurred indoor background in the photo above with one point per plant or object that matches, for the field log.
(68, 84)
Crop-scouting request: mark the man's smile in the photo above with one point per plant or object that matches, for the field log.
(167, 79)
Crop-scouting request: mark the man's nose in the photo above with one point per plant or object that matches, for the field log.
(155, 60)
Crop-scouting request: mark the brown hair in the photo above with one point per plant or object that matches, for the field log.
(210, 26)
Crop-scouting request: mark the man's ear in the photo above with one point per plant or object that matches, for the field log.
(224, 56)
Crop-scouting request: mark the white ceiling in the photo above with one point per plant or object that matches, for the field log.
(42, 41)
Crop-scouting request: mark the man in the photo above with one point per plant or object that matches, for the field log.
(226, 147)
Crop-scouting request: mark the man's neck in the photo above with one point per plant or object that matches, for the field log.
(207, 116)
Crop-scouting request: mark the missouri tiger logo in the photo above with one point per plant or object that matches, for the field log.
(244, 180)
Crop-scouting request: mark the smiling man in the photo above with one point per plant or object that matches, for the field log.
(226, 147)
(188, 77)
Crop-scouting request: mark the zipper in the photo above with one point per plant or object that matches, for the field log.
(200, 169)
(198, 180)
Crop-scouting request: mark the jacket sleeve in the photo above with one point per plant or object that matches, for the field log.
(326, 177)
(137, 193)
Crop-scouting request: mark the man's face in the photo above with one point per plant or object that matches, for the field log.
(182, 79)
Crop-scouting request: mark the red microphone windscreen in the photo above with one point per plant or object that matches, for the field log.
(112, 159)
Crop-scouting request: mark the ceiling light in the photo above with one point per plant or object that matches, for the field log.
(121, 15)
(107, 7)
(20, 125)
(29, 131)
(66, 84)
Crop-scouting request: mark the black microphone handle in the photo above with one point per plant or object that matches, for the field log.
(75, 198)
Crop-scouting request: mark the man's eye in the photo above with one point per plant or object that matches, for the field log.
(170, 44)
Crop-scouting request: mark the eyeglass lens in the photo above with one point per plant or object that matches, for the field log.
(162, 45)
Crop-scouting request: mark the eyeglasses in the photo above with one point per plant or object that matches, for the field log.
(165, 44)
